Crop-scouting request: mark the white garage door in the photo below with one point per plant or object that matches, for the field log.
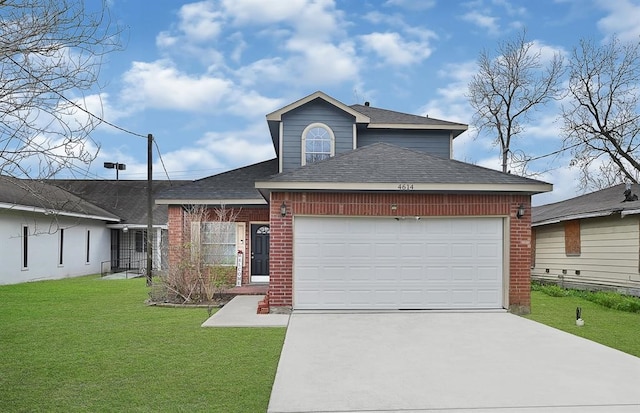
(384, 263)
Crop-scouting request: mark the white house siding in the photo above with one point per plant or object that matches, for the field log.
(610, 254)
(43, 247)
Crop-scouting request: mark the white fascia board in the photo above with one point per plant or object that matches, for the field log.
(258, 201)
(45, 211)
(572, 217)
(403, 187)
(459, 127)
(624, 213)
(135, 226)
(277, 115)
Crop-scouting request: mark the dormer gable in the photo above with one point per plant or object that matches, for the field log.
(318, 127)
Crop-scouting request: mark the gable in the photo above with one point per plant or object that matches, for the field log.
(316, 112)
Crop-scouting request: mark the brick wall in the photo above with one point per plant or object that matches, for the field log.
(179, 228)
(406, 204)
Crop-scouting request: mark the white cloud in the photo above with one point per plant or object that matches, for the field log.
(483, 20)
(200, 22)
(161, 85)
(412, 4)
(395, 50)
(622, 19)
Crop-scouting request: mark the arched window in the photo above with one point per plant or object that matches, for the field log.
(318, 143)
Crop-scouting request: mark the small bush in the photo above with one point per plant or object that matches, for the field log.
(551, 290)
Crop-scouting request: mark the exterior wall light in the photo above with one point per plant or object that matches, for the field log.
(283, 210)
(520, 212)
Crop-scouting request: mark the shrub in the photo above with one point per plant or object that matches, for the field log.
(609, 299)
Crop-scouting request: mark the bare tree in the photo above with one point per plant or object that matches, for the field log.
(508, 87)
(205, 262)
(50, 57)
(601, 116)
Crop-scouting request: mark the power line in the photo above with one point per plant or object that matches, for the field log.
(554, 152)
(102, 120)
(161, 160)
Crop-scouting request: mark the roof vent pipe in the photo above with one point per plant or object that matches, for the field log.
(366, 103)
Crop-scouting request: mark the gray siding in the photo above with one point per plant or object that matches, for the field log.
(436, 142)
(295, 121)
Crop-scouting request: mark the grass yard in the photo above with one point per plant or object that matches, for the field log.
(85, 344)
(613, 328)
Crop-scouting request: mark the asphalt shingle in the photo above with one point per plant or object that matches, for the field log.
(235, 184)
(42, 195)
(604, 202)
(385, 163)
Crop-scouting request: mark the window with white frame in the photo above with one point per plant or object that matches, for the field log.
(318, 143)
(218, 243)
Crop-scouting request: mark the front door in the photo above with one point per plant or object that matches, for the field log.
(259, 253)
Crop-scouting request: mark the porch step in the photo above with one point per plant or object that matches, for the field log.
(252, 289)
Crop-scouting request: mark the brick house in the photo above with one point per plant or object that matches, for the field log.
(364, 209)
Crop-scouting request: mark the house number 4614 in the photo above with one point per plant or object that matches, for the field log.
(405, 187)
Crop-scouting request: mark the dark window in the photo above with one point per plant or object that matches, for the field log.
(25, 246)
(61, 250)
(88, 246)
(141, 241)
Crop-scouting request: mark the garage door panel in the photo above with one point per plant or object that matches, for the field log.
(489, 274)
(381, 263)
(459, 250)
(439, 250)
(462, 274)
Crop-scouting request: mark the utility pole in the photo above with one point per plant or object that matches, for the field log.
(149, 208)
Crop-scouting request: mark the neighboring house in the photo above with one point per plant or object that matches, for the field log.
(54, 229)
(590, 241)
(364, 209)
(127, 199)
(49, 233)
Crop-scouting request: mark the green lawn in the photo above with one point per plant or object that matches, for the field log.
(613, 328)
(86, 344)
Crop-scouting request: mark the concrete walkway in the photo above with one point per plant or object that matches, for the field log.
(241, 312)
(447, 362)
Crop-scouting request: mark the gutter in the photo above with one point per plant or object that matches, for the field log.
(46, 211)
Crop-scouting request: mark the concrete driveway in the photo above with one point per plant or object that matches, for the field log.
(447, 362)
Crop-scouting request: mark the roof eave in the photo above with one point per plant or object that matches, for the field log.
(557, 220)
(534, 188)
(212, 201)
(55, 212)
(277, 115)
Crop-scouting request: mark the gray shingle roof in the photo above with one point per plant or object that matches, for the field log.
(385, 163)
(237, 184)
(125, 198)
(41, 195)
(600, 203)
(386, 116)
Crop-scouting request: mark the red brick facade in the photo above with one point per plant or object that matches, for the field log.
(406, 204)
(178, 232)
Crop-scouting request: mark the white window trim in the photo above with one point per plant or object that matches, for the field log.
(304, 140)
(196, 240)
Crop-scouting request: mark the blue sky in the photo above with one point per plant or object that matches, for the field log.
(201, 76)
